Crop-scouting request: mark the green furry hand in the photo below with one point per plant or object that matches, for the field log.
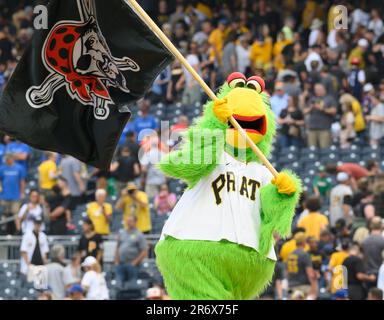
(222, 110)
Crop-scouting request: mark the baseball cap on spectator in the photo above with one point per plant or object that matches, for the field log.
(363, 43)
(89, 261)
(342, 177)
(76, 288)
(368, 87)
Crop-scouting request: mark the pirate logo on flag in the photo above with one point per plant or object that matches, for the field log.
(78, 58)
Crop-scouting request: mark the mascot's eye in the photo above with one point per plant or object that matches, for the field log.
(236, 79)
(256, 83)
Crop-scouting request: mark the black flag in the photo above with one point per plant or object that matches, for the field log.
(71, 90)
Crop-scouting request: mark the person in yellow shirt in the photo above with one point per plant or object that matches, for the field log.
(356, 109)
(335, 267)
(261, 50)
(277, 50)
(100, 212)
(217, 38)
(314, 222)
(48, 174)
(358, 52)
(288, 247)
(135, 202)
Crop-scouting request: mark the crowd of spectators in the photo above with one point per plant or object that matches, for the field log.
(324, 79)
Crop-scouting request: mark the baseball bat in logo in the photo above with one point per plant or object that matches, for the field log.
(78, 58)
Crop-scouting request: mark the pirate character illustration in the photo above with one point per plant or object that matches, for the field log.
(78, 58)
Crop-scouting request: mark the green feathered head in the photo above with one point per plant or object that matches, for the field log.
(252, 110)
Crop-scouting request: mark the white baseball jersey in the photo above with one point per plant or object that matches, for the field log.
(222, 206)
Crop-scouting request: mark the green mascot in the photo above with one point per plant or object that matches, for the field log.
(218, 243)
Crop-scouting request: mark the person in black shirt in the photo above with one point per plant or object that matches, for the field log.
(291, 120)
(91, 243)
(125, 169)
(60, 205)
(356, 275)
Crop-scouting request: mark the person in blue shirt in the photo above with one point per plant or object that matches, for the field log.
(2, 152)
(123, 138)
(12, 186)
(21, 152)
(146, 122)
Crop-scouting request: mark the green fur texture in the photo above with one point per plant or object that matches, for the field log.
(277, 211)
(208, 270)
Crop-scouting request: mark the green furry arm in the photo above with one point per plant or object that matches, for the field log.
(277, 211)
(201, 151)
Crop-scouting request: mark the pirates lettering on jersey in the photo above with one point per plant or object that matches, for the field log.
(247, 188)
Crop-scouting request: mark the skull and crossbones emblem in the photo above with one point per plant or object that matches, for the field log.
(78, 58)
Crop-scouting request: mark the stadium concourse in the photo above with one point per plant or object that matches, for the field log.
(327, 93)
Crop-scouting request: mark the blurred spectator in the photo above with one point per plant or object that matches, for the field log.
(356, 78)
(301, 275)
(100, 212)
(134, 202)
(314, 222)
(376, 24)
(357, 275)
(279, 100)
(164, 201)
(20, 152)
(47, 174)
(291, 121)
(126, 168)
(322, 184)
(90, 243)
(335, 262)
(72, 271)
(375, 294)
(320, 111)
(55, 270)
(243, 54)
(12, 186)
(261, 49)
(359, 122)
(289, 246)
(340, 200)
(358, 52)
(230, 56)
(76, 292)
(192, 91)
(152, 178)
(71, 171)
(347, 133)
(373, 246)
(34, 248)
(145, 121)
(93, 281)
(29, 211)
(131, 249)
(376, 120)
(59, 206)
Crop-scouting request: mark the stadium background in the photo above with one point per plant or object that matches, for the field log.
(305, 61)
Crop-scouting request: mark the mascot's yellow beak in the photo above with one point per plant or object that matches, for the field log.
(250, 112)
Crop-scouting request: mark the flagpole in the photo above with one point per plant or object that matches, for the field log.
(164, 39)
